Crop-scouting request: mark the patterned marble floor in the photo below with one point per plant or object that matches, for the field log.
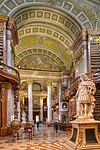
(44, 139)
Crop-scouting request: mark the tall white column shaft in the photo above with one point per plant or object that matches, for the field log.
(10, 106)
(49, 102)
(59, 95)
(85, 58)
(9, 53)
(89, 55)
(30, 102)
(41, 108)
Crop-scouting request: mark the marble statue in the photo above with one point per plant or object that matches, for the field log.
(23, 117)
(85, 98)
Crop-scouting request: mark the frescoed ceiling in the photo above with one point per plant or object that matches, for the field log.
(48, 28)
(39, 62)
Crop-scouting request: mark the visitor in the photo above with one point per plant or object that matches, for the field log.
(56, 120)
(37, 125)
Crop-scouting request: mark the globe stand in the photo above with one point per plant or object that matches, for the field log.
(15, 125)
(17, 135)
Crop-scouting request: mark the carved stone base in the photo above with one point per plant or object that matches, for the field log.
(84, 135)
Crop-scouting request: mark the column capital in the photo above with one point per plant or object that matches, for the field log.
(89, 37)
(49, 82)
(29, 81)
(41, 100)
(42, 97)
(59, 83)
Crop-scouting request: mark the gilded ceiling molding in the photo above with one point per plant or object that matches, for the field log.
(53, 24)
(71, 7)
(36, 31)
(47, 18)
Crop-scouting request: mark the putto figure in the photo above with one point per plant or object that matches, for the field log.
(85, 98)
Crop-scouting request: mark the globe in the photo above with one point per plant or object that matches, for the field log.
(15, 125)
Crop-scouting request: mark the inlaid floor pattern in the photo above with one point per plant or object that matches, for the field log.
(44, 139)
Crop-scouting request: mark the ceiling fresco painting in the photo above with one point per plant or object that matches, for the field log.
(46, 46)
(39, 62)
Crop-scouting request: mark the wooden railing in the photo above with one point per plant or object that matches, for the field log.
(9, 73)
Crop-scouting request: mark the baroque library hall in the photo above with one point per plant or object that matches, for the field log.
(49, 66)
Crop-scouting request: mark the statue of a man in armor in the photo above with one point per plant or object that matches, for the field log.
(85, 98)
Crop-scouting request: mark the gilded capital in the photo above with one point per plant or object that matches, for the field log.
(49, 82)
(29, 81)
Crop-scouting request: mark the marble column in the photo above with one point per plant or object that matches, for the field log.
(10, 105)
(8, 48)
(85, 57)
(49, 101)
(30, 101)
(89, 55)
(41, 108)
(59, 95)
(4, 44)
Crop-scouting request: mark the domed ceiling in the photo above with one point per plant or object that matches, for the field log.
(48, 28)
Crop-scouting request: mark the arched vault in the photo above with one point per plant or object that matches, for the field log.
(47, 29)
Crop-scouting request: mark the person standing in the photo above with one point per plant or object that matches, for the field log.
(56, 120)
(37, 125)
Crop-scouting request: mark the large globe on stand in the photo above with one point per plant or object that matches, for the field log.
(15, 125)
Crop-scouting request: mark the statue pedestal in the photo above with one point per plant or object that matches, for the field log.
(84, 135)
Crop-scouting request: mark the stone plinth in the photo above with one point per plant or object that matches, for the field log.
(84, 135)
